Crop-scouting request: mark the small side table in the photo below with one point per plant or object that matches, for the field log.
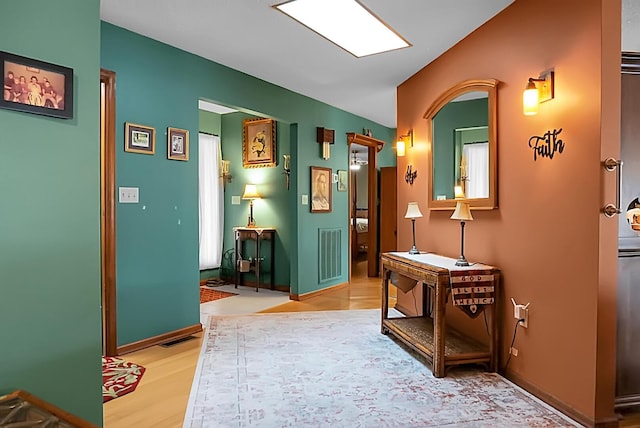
(256, 234)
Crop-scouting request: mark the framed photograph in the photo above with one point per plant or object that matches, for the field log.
(139, 139)
(320, 189)
(177, 144)
(258, 143)
(343, 180)
(38, 87)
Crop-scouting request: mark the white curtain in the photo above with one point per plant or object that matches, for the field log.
(477, 158)
(211, 202)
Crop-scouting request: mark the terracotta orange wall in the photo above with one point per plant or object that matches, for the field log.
(553, 246)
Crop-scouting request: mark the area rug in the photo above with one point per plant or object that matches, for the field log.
(119, 377)
(335, 369)
(209, 295)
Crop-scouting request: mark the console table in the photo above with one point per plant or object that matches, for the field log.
(256, 234)
(428, 334)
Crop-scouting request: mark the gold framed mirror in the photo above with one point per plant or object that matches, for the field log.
(463, 145)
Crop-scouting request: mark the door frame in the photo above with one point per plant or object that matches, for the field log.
(108, 211)
(373, 147)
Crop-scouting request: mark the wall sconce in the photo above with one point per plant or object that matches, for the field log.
(225, 172)
(401, 144)
(286, 165)
(462, 213)
(251, 194)
(354, 165)
(538, 91)
(325, 137)
(413, 212)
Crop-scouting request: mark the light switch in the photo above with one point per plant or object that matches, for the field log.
(235, 200)
(128, 195)
(305, 200)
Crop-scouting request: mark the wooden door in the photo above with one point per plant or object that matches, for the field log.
(388, 209)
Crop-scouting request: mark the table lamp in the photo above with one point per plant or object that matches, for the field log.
(462, 213)
(413, 212)
(251, 194)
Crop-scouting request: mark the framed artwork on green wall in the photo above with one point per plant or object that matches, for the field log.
(139, 139)
(320, 189)
(258, 143)
(34, 86)
(177, 144)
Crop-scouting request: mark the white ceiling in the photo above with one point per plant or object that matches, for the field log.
(252, 37)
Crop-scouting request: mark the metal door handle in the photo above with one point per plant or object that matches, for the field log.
(611, 164)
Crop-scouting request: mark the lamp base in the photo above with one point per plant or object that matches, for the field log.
(462, 261)
(414, 250)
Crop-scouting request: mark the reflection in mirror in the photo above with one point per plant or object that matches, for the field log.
(463, 145)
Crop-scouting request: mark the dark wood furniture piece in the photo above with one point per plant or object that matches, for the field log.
(22, 409)
(427, 333)
(257, 235)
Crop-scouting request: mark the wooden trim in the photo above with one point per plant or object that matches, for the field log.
(374, 146)
(61, 414)
(559, 405)
(306, 296)
(108, 211)
(630, 63)
(160, 339)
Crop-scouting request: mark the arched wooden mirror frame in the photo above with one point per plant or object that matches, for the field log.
(487, 85)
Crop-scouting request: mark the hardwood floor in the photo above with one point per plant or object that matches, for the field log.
(160, 401)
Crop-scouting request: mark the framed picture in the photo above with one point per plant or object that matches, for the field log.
(139, 139)
(320, 189)
(258, 143)
(177, 144)
(343, 180)
(38, 87)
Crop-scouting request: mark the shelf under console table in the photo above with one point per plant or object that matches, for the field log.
(474, 290)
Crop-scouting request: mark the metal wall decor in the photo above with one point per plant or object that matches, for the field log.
(410, 175)
(546, 145)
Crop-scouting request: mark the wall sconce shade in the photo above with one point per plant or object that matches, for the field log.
(287, 169)
(413, 212)
(225, 172)
(462, 213)
(325, 137)
(538, 91)
(250, 193)
(402, 143)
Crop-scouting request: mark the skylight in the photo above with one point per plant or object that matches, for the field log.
(347, 23)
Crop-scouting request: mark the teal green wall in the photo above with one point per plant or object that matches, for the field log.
(157, 260)
(50, 340)
(270, 211)
(461, 114)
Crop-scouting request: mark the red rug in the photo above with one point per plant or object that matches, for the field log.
(209, 295)
(119, 377)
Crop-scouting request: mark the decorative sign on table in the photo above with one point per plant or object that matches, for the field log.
(471, 290)
(546, 145)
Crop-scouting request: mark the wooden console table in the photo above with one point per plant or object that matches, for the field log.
(257, 234)
(427, 334)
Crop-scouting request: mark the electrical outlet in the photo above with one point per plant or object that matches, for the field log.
(521, 312)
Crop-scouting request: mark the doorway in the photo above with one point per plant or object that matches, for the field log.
(108, 211)
(373, 146)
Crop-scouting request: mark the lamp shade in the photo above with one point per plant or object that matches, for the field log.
(400, 148)
(250, 192)
(530, 99)
(413, 211)
(462, 212)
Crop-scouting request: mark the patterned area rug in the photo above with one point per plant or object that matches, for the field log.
(119, 377)
(335, 369)
(209, 295)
